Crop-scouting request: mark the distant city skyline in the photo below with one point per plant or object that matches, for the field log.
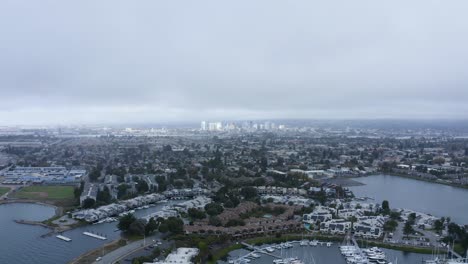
(184, 62)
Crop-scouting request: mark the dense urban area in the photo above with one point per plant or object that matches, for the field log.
(224, 186)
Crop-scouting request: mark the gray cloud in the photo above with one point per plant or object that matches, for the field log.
(149, 61)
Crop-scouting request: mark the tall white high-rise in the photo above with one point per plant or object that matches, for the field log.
(215, 126)
(203, 126)
(219, 126)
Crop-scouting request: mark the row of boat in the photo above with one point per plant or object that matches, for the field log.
(288, 261)
(247, 259)
(354, 255)
(107, 220)
(140, 208)
(270, 249)
(314, 243)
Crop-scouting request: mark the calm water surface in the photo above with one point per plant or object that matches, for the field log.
(23, 244)
(436, 199)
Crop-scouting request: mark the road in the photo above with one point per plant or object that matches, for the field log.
(433, 238)
(127, 250)
(147, 251)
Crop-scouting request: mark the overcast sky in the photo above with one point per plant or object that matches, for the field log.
(65, 62)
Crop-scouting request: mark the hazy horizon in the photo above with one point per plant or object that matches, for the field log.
(116, 62)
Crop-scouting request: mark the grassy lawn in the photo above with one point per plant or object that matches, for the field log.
(3, 190)
(46, 193)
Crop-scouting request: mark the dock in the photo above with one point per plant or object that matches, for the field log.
(259, 250)
(94, 235)
(454, 254)
(64, 238)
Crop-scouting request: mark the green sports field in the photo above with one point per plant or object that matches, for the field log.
(46, 193)
(3, 190)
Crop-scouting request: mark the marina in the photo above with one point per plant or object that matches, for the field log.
(352, 253)
(319, 252)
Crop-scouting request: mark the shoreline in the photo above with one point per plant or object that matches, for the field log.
(58, 209)
(91, 253)
(58, 212)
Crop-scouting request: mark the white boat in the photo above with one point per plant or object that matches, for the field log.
(270, 249)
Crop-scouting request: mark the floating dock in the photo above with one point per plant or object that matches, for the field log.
(64, 238)
(94, 235)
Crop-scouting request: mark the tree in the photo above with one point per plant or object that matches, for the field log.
(167, 148)
(172, 224)
(395, 215)
(88, 203)
(104, 196)
(178, 184)
(78, 190)
(235, 222)
(353, 220)
(385, 207)
(249, 192)
(202, 246)
(163, 227)
(94, 174)
(151, 226)
(125, 222)
(137, 227)
(214, 221)
(175, 225)
(213, 209)
(321, 196)
(196, 214)
(438, 161)
(162, 183)
(408, 229)
(280, 162)
(412, 218)
(438, 225)
(122, 190)
(387, 166)
(142, 186)
(390, 225)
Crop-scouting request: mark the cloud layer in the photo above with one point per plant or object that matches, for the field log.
(150, 61)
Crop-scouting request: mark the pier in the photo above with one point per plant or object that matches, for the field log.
(453, 253)
(259, 250)
(64, 238)
(94, 235)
